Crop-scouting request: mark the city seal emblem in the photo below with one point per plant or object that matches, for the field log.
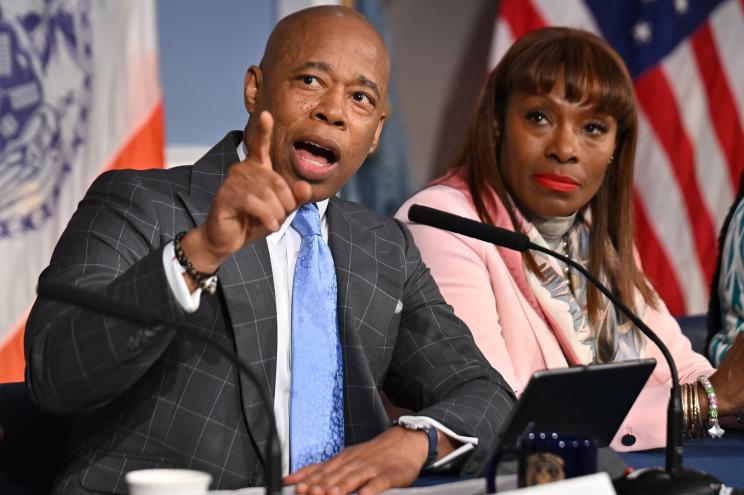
(46, 71)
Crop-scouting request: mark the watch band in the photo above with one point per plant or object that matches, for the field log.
(433, 444)
(431, 433)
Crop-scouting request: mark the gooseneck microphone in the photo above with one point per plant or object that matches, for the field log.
(469, 228)
(271, 460)
(674, 478)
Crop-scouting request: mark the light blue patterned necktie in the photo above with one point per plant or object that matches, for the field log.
(316, 424)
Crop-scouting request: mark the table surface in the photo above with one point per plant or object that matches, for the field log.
(722, 457)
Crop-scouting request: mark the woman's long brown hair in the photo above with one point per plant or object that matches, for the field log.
(593, 73)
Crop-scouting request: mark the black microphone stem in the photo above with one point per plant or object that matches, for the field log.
(271, 461)
(674, 410)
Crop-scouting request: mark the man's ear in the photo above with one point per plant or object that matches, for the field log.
(252, 87)
(378, 131)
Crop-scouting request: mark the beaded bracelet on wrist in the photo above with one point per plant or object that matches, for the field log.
(714, 428)
(205, 281)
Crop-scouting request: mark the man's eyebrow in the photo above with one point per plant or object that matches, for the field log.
(321, 66)
(369, 83)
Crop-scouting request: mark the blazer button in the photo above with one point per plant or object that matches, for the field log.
(628, 440)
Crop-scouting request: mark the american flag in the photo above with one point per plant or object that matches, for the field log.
(686, 58)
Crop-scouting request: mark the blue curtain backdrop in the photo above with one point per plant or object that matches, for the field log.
(382, 184)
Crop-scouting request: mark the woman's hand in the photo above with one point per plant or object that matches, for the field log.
(728, 381)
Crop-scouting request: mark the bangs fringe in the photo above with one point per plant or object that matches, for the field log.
(590, 76)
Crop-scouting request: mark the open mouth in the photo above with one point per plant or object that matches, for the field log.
(315, 158)
(315, 153)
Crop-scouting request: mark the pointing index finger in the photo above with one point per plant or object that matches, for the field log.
(260, 145)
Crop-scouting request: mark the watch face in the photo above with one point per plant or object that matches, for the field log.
(414, 423)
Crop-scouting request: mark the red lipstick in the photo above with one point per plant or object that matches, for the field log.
(555, 182)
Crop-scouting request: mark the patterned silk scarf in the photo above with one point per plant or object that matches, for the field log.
(562, 296)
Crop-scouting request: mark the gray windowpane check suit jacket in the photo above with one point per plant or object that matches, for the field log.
(168, 402)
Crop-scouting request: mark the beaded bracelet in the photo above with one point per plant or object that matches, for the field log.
(205, 281)
(714, 428)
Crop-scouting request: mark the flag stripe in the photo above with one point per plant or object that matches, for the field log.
(502, 38)
(727, 24)
(667, 219)
(146, 147)
(725, 120)
(655, 95)
(12, 356)
(573, 13)
(521, 16)
(711, 170)
(649, 248)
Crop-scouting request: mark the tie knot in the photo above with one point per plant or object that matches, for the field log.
(307, 220)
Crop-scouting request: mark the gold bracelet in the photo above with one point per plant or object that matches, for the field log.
(685, 411)
(697, 421)
(691, 430)
(698, 417)
(692, 421)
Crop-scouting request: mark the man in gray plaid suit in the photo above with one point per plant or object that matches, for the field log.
(145, 397)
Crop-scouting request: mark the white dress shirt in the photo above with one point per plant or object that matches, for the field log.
(284, 246)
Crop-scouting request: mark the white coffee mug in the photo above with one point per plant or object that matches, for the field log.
(168, 482)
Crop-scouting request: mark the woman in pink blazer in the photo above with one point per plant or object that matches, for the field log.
(550, 153)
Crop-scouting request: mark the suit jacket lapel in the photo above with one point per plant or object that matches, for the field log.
(247, 286)
(248, 289)
(344, 232)
(365, 306)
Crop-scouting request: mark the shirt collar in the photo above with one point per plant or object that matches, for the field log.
(275, 237)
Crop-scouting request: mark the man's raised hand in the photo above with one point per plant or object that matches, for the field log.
(252, 202)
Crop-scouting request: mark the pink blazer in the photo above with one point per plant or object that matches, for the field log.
(489, 291)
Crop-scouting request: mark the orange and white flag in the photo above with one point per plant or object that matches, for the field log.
(79, 94)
